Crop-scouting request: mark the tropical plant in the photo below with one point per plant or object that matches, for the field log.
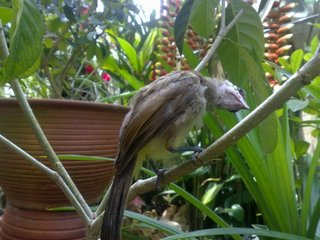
(271, 161)
(79, 40)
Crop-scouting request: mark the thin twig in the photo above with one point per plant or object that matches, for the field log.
(223, 14)
(49, 172)
(42, 139)
(222, 33)
(47, 148)
(303, 77)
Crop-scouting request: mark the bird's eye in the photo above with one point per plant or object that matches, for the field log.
(242, 92)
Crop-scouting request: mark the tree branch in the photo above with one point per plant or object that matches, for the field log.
(303, 77)
(52, 174)
(42, 139)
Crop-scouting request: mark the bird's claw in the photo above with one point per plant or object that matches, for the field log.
(195, 158)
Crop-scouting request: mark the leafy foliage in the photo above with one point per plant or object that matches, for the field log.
(25, 40)
(272, 161)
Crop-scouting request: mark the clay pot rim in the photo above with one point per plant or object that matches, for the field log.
(66, 103)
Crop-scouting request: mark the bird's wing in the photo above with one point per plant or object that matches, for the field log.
(156, 108)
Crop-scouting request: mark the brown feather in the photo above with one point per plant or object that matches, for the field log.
(161, 116)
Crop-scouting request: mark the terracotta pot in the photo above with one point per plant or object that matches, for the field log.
(72, 127)
(20, 224)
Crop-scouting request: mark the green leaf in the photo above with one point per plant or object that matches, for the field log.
(307, 206)
(132, 80)
(130, 52)
(25, 41)
(314, 88)
(195, 202)
(75, 157)
(296, 59)
(242, 231)
(181, 24)
(301, 148)
(248, 30)
(202, 17)
(147, 47)
(246, 37)
(6, 14)
(232, 62)
(111, 64)
(246, 71)
(211, 193)
(69, 13)
(296, 105)
(168, 229)
(237, 212)
(113, 98)
(314, 44)
(284, 63)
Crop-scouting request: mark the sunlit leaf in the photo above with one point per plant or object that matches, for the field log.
(132, 80)
(202, 19)
(314, 44)
(25, 41)
(147, 47)
(211, 193)
(248, 30)
(130, 52)
(296, 59)
(284, 63)
(6, 14)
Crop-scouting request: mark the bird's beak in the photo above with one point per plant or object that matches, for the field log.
(243, 103)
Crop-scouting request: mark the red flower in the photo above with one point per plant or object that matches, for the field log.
(85, 10)
(88, 68)
(105, 77)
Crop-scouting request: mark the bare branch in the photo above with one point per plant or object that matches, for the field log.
(42, 139)
(52, 174)
(222, 33)
(303, 77)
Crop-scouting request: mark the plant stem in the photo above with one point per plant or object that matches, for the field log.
(3, 44)
(222, 33)
(47, 148)
(42, 139)
(49, 172)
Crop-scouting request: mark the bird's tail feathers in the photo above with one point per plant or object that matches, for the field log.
(112, 220)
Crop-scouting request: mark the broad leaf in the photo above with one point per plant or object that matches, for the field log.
(130, 52)
(181, 24)
(25, 41)
(68, 12)
(6, 14)
(202, 19)
(296, 105)
(248, 31)
(246, 35)
(251, 78)
(296, 59)
(147, 47)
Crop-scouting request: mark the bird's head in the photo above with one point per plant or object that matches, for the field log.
(230, 97)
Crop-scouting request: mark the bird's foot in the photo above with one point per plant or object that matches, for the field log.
(158, 172)
(196, 160)
(196, 151)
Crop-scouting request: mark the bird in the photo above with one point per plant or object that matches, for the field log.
(161, 115)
